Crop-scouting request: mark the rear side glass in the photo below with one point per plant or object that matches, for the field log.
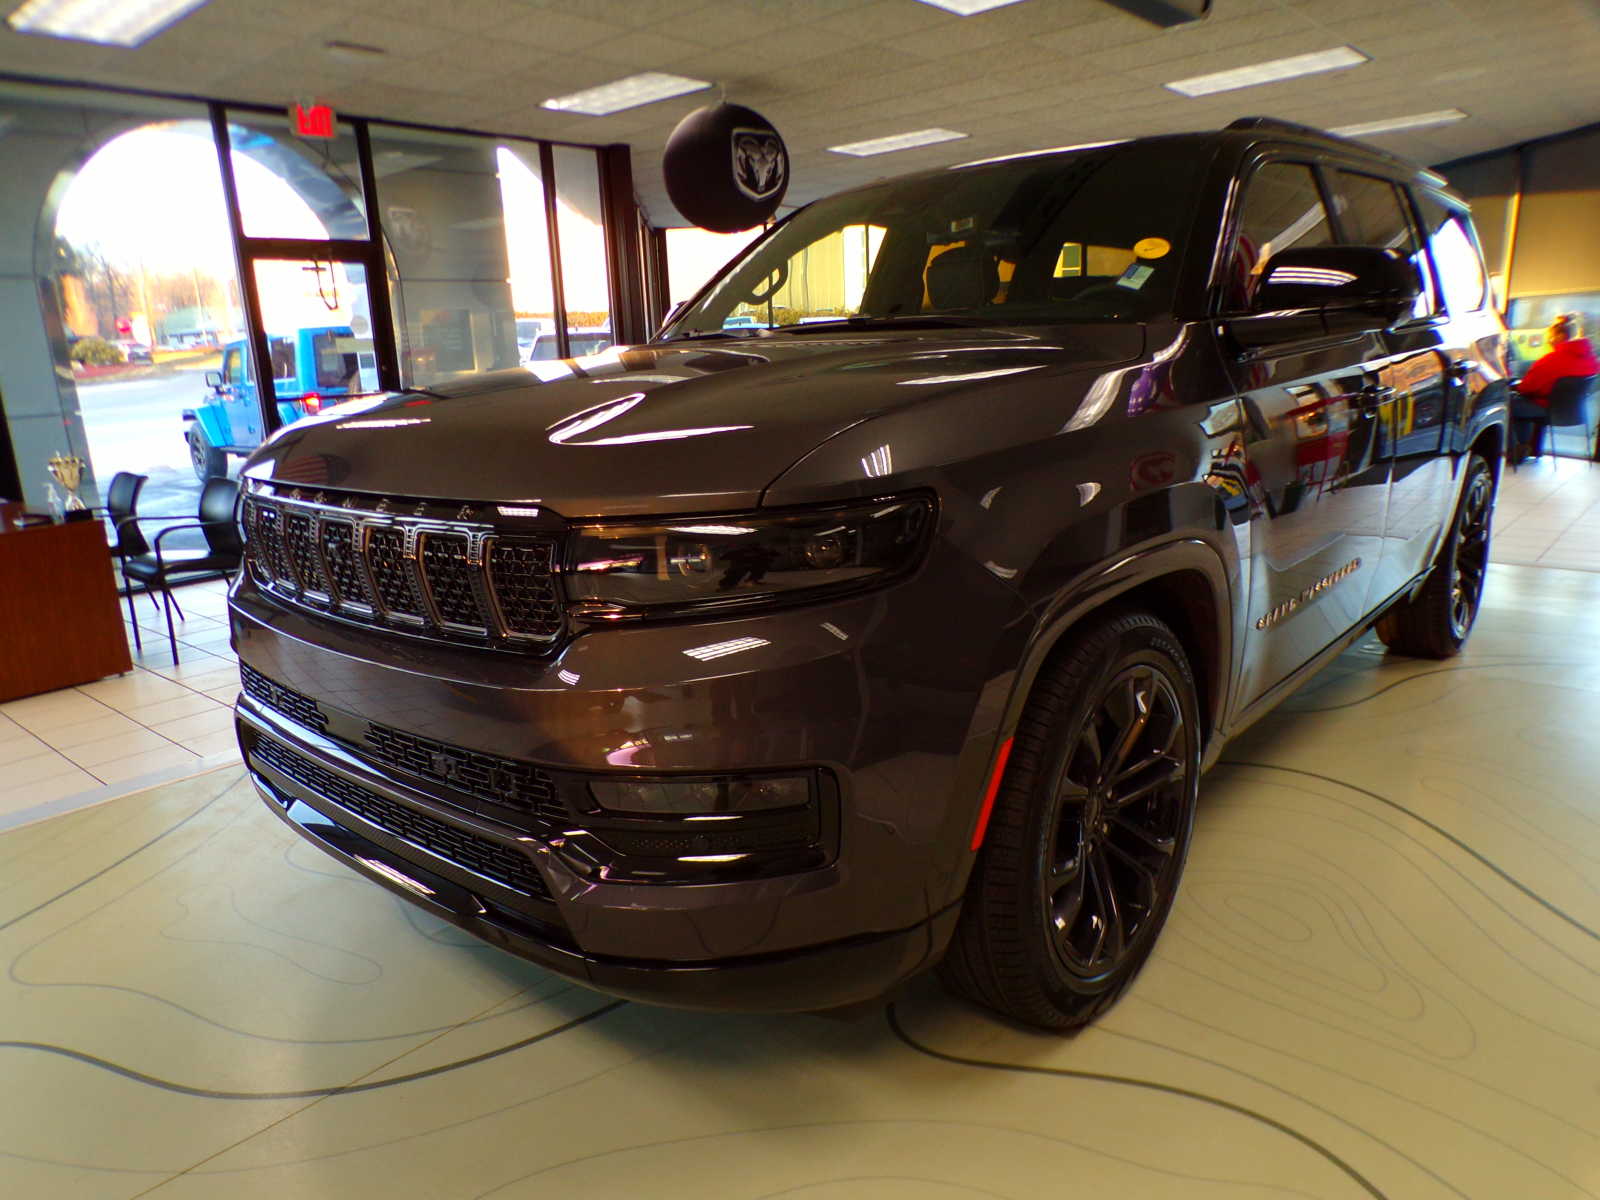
(1282, 208)
(1372, 212)
(1455, 255)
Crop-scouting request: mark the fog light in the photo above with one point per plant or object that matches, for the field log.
(692, 796)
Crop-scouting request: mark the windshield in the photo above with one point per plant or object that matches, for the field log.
(1094, 235)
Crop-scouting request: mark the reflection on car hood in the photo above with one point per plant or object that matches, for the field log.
(675, 427)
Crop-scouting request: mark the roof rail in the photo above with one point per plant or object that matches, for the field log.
(1278, 125)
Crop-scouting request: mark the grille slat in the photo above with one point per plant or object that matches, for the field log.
(300, 545)
(392, 574)
(477, 854)
(341, 551)
(521, 574)
(450, 576)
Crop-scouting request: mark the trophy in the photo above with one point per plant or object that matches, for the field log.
(68, 472)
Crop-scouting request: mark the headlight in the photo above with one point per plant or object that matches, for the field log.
(734, 561)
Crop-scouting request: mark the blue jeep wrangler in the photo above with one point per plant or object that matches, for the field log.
(311, 368)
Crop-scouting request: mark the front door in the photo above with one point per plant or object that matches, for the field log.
(1313, 454)
(238, 396)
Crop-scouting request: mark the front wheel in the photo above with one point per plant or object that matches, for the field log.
(206, 459)
(1435, 622)
(1089, 831)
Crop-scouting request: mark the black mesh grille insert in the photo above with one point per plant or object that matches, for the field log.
(290, 703)
(392, 574)
(503, 781)
(299, 539)
(267, 536)
(524, 586)
(479, 855)
(450, 579)
(343, 556)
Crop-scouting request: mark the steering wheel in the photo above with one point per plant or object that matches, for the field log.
(779, 278)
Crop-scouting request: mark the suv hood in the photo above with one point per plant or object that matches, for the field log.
(677, 427)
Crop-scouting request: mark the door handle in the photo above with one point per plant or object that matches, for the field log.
(1461, 368)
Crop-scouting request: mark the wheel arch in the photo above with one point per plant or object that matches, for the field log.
(1186, 584)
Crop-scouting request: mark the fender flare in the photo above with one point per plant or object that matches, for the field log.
(1094, 592)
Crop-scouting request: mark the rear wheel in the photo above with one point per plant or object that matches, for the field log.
(1436, 621)
(1089, 831)
(206, 458)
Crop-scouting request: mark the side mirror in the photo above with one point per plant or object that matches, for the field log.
(1328, 290)
(213, 379)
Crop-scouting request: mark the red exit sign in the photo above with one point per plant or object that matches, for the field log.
(312, 120)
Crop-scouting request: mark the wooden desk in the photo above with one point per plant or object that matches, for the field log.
(59, 620)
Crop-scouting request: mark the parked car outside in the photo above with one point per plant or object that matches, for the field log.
(312, 368)
(135, 352)
(763, 670)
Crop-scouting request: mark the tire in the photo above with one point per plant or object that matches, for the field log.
(1435, 622)
(1033, 941)
(206, 459)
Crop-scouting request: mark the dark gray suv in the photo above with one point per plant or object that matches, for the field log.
(886, 608)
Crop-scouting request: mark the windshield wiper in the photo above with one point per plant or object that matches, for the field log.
(689, 335)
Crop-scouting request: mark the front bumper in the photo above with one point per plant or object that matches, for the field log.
(880, 909)
(809, 980)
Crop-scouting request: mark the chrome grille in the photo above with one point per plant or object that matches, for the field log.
(342, 553)
(452, 580)
(299, 537)
(426, 568)
(525, 586)
(392, 573)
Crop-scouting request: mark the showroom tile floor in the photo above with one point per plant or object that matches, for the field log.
(65, 748)
(1382, 979)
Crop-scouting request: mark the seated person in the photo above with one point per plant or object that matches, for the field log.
(1569, 355)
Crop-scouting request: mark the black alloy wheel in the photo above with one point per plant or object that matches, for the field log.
(1471, 558)
(1119, 807)
(1435, 622)
(206, 459)
(1089, 831)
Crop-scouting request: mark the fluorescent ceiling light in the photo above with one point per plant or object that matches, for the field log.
(1444, 116)
(109, 22)
(897, 141)
(631, 92)
(966, 8)
(1271, 71)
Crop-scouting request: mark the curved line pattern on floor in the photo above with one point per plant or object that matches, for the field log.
(348, 1089)
(1289, 706)
(109, 867)
(1152, 1085)
(1506, 876)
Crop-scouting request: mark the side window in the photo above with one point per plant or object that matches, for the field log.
(1455, 255)
(1282, 208)
(1372, 212)
(230, 368)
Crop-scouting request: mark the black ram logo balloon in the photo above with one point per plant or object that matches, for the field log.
(760, 164)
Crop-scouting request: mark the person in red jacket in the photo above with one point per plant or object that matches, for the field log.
(1569, 355)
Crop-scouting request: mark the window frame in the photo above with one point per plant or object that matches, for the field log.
(1223, 306)
(1419, 231)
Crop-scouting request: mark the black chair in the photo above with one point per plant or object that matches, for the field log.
(1568, 406)
(159, 569)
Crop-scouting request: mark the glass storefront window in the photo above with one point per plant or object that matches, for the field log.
(324, 173)
(580, 222)
(527, 228)
(695, 255)
(444, 221)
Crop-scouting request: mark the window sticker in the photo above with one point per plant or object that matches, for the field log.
(1152, 247)
(1135, 277)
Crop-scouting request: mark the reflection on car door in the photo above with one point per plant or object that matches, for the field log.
(1412, 391)
(1312, 452)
